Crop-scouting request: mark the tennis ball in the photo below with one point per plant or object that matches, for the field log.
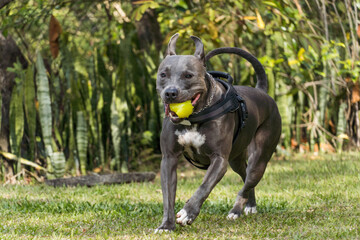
(183, 110)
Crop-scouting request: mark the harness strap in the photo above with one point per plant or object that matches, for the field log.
(231, 103)
(242, 116)
(218, 74)
(196, 164)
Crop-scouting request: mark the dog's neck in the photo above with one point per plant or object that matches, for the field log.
(213, 93)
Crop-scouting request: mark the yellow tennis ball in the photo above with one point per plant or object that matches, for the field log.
(183, 109)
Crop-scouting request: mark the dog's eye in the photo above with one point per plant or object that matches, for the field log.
(162, 75)
(188, 76)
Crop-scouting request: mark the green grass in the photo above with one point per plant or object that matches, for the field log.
(301, 198)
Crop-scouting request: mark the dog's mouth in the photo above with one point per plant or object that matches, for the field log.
(173, 116)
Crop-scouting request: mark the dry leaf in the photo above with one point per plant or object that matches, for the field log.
(248, 18)
(343, 136)
(259, 20)
(298, 6)
(294, 143)
(355, 93)
(54, 34)
(327, 147)
(316, 147)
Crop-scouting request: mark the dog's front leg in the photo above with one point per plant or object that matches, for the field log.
(168, 185)
(214, 174)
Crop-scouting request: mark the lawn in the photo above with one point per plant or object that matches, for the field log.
(304, 197)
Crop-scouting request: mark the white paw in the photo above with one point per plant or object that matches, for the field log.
(161, 230)
(232, 216)
(250, 210)
(182, 217)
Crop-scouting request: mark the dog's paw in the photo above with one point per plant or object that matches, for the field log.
(165, 227)
(250, 210)
(182, 218)
(159, 230)
(232, 216)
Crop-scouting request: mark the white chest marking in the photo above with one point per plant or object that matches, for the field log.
(192, 137)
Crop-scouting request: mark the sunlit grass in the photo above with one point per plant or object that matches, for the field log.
(298, 198)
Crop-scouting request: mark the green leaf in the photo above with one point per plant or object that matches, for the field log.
(16, 120)
(57, 135)
(58, 162)
(30, 110)
(139, 11)
(43, 95)
(341, 124)
(0, 107)
(270, 3)
(116, 129)
(81, 140)
(321, 73)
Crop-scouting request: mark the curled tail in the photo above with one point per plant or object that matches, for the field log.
(262, 82)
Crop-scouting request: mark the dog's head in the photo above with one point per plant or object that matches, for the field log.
(182, 77)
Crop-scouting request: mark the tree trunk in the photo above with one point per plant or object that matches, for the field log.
(9, 54)
(148, 30)
(3, 3)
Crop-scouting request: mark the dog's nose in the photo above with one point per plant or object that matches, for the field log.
(171, 93)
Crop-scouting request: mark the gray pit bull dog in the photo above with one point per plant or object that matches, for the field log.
(211, 143)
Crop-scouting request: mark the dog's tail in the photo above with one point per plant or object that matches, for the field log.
(262, 81)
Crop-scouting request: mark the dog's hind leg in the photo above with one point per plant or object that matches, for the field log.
(239, 166)
(260, 151)
(246, 196)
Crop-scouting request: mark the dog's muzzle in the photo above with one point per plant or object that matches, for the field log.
(172, 115)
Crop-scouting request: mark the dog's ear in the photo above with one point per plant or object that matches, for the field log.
(172, 45)
(199, 48)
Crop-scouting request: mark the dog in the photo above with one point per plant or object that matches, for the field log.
(216, 142)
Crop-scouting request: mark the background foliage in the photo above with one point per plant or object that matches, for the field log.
(87, 99)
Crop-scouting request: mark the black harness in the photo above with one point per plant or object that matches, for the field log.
(230, 102)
